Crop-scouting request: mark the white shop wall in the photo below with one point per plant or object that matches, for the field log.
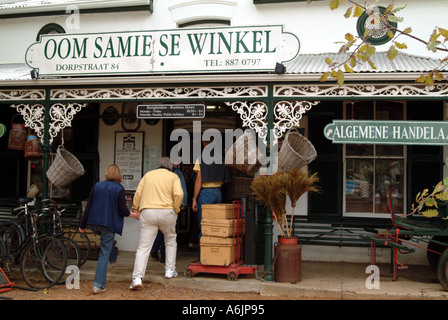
(106, 142)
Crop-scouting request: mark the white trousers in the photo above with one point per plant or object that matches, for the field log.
(151, 220)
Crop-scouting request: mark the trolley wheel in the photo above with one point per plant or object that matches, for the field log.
(232, 276)
(433, 257)
(188, 273)
(442, 270)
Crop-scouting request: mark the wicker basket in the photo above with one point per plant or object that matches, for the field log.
(296, 151)
(239, 187)
(250, 163)
(64, 169)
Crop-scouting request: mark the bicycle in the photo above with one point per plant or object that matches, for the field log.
(53, 227)
(42, 259)
(70, 229)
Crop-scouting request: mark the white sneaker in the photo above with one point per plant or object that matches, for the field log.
(170, 274)
(136, 284)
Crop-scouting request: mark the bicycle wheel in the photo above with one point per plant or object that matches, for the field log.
(13, 236)
(81, 239)
(73, 255)
(43, 263)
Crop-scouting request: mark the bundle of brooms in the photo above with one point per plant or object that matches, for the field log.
(272, 191)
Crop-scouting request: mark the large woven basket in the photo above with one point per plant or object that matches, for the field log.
(239, 187)
(64, 169)
(244, 155)
(296, 151)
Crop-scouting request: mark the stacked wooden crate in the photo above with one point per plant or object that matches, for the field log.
(222, 228)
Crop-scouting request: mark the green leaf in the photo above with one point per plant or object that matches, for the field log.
(392, 18)
(349, 37)
(358, 11)
(430, 213)
(324, 77)
(430, 202)
(348, 13)
(392, 53)
(328, 61)
(429, 80)
(398, 9)
(432, 46)
(340, 78)
(372, 65)
(334, 4)
(347, 68)
(401, 45)
(439, 76)
(421, 79)
(407, 30)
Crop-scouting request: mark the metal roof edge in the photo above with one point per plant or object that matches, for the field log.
(206, 79)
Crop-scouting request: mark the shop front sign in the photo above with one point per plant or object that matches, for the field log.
(387, 132)
(226, 49)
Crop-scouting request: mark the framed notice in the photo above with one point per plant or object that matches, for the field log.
(129, 157)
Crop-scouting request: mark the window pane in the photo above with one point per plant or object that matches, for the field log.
(359, 111)
(359, 185)
(389, 173)
(389, 110)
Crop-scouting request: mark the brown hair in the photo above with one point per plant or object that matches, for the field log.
(113, 173)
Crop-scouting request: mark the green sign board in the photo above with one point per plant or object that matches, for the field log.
(387, 132)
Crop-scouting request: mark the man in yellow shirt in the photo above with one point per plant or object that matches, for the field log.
(158, 199)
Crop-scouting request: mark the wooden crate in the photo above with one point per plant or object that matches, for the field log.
(219, 251)
(222, 227)
(218, 211)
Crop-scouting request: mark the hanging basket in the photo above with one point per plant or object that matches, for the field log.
(244, 155)
(64, 169)
(296, 151)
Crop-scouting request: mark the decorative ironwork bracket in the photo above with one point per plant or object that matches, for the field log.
(287, 115)
(61, 116)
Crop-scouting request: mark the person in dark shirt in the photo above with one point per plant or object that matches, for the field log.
(207, 187)
(104, 214)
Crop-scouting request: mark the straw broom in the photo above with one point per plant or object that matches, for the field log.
(297, 183)
(269, 190)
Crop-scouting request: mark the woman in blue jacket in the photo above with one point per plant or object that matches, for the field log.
(104, 214)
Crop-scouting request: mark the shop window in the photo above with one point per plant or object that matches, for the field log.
(371, 170)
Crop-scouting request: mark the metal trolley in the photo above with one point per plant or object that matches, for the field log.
(404, 235)
(237, 267)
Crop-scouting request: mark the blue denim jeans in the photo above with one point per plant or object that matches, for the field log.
(207, 196)
(107, 254)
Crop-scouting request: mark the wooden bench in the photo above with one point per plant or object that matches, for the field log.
(341, 232)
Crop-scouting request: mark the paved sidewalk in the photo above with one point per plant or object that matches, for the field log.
(320, 280)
